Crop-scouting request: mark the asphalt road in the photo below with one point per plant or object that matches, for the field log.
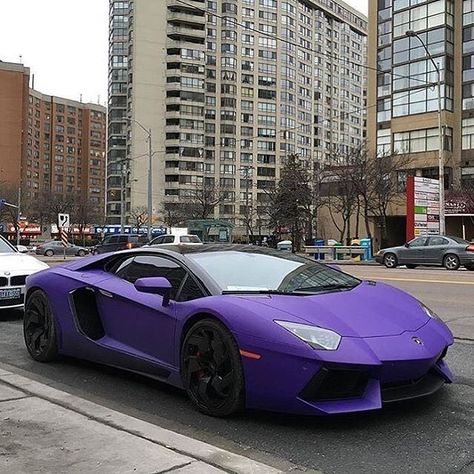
(434, 435)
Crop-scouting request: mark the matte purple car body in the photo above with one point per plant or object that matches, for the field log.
(389, 343)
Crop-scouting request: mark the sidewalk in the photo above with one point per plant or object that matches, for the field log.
(44, 430)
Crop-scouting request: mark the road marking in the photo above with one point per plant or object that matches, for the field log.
(410, 280)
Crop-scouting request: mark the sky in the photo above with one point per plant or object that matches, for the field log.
(65, 44)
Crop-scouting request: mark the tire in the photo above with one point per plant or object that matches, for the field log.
(211, 369)
(390, 260)
(451, 262)
(49, 253)
(411, 266)
(39, 330)
(81, 253)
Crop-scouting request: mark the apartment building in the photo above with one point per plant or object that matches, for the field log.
(50, 145)
(229, 89)
(403, 84)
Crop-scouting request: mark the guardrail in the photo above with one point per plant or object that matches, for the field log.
(333, 252)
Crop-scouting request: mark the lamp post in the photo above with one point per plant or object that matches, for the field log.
(442, 220)
(150, 174)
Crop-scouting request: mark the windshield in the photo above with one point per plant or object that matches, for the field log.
(5, 247)
(244, 272)
(189, 239)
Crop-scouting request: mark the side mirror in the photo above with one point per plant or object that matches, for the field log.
(407, 245)
(21, 248)
(156, 286)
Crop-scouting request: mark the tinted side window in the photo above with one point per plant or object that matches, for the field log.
(123, 239)
(418, 242)
(113, 240)
(158, 240)
(438, 241)
(152, 266)
(190, 290)
(168, 239)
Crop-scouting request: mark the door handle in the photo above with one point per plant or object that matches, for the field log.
(106, 293)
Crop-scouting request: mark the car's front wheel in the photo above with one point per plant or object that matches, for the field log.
(81, 253)
(38, 328)
(211, 369)
(390, 260)
(451, 262)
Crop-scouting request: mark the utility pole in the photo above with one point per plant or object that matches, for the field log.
(18, 217)
(247, 211)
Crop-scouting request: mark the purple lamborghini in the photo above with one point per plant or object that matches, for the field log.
(241, 326)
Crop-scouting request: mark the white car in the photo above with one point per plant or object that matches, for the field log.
(14, 268)
(172, 239)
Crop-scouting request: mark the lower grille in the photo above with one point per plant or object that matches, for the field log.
(12, 302)
(422, 387)
(336, 384)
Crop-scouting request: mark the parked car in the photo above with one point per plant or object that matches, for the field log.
(14, 268)
(241, 326)
(112, 243)
(55, 247)
(172, 239)
(436, 250)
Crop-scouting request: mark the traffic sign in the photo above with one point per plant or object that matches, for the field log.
(64, 238)
(63, 221)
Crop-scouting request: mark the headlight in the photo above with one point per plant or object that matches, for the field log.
(429, 312)
(317, 338)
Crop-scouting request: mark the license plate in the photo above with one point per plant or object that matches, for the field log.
(10, 293)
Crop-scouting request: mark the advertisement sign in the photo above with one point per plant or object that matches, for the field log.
(422, 207)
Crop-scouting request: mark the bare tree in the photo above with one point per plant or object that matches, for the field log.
(138, 217)
(173, 214)
(203, 199)
(83, 213)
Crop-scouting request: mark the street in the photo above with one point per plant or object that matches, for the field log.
(434, 435)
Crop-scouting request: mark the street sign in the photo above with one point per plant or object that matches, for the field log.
(64, 238)
(63, 221)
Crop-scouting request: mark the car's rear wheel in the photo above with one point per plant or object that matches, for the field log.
(38, 328)
(49, 253)
(81, 253)
(411, 267)
(390, 260)
(211, 369)
(451, 262)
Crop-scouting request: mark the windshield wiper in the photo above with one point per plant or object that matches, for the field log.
(259, 292)
(334, 286)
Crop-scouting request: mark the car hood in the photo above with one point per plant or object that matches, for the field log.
(17, 262)
(369, 310)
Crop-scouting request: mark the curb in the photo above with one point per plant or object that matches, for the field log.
(180, 444)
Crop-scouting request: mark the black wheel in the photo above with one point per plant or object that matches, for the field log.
(390, 260)
(451, 262)
(211, 369)
(81, 253)
(410, 266)
(49, 253)
(38, 328)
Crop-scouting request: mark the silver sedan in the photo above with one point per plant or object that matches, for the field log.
(437, 250)
(55, 247)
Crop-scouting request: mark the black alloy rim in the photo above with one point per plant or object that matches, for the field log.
(208, 368)
(37, 325)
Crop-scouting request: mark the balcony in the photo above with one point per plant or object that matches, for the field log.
(184, 32)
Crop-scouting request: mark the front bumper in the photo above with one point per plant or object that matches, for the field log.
(379, 258)
(362, 375)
